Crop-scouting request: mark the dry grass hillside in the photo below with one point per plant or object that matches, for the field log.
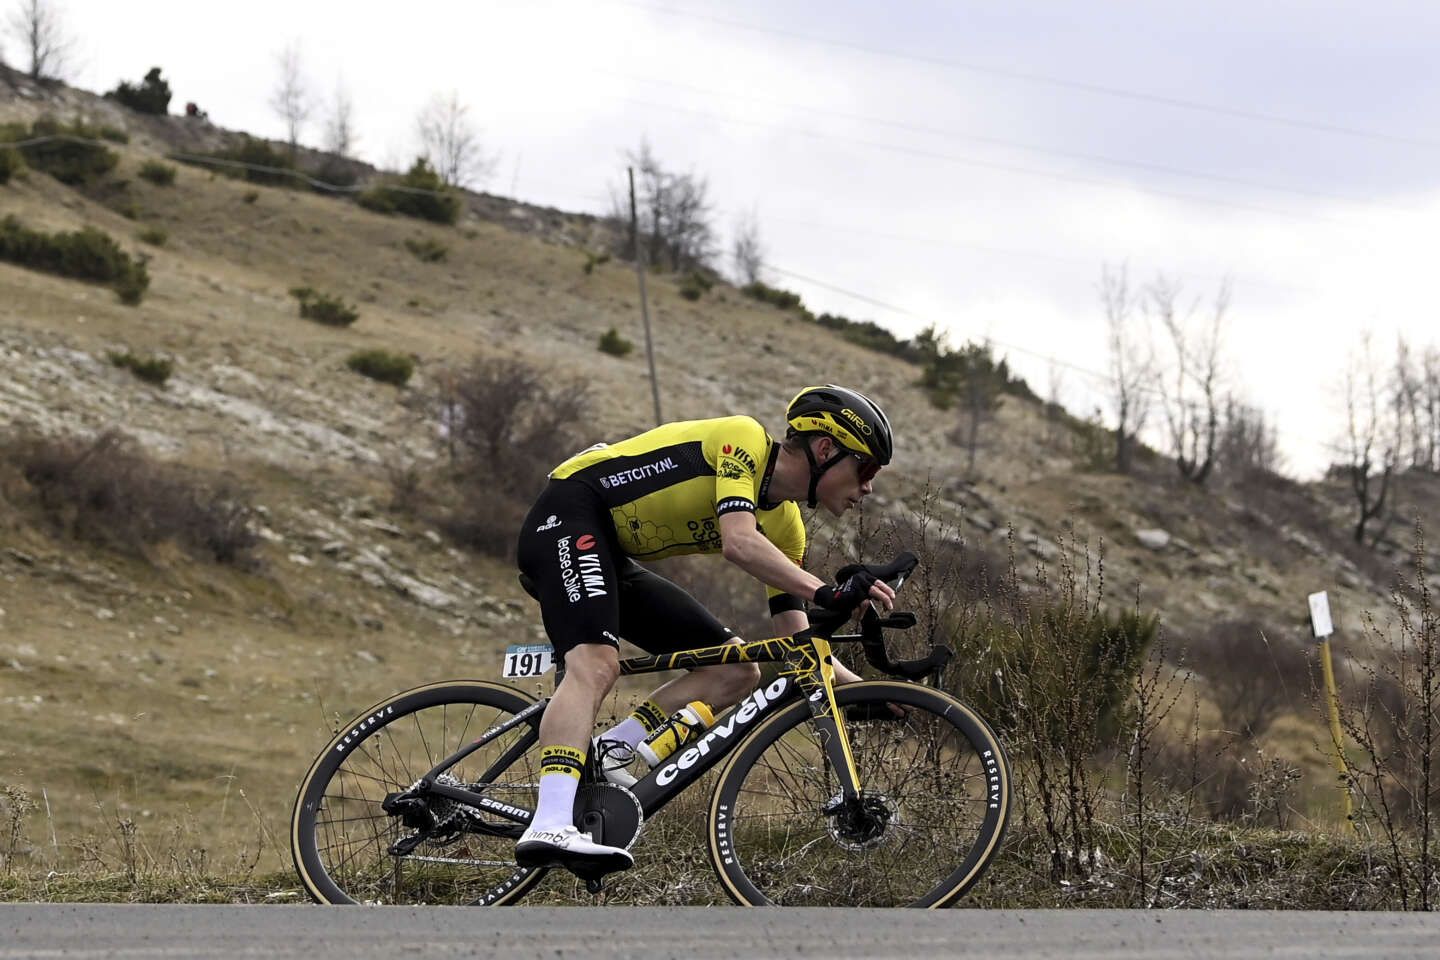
(188, 697)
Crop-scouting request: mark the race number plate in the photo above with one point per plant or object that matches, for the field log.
(529, 660)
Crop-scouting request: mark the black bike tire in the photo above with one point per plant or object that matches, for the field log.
(304, 847)
(729, 861)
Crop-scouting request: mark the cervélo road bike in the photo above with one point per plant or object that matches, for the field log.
(881, 793)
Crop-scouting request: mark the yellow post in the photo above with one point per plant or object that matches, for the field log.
(1337, 736)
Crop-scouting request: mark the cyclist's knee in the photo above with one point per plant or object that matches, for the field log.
(595, 666)
(734, 680)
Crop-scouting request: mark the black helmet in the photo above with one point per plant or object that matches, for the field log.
(847, 415)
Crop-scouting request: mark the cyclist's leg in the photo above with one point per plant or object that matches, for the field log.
(568, 551)
(659, 616)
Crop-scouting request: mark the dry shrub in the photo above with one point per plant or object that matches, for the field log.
(107, 491)
(1393, 718)
(507, 425)
(1255, 673)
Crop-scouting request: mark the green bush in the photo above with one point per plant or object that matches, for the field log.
(160, 174)
(612, 343)
(279, 169)
(131, 286)
(11, 163)
(1040, 654)
(72, 157)
(151, 95)
(695, 285)
(85, 254)
(334, 174)
(155, 236)
(593, 260)
(427, 250)
(774, 296)
(154, 370)
(419, 193)
(114, 135)
(382, 365)
(251, 196)
(324, 308)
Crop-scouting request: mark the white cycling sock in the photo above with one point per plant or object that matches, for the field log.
(556, 806)
(560, 769)
(629, 731)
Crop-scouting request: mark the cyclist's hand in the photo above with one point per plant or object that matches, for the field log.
(850, 592)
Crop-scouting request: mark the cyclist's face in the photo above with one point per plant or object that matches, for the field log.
(847, 483)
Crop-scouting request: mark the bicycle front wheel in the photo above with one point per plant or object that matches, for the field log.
(935, 795)
(343, 840)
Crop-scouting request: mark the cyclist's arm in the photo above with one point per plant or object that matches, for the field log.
(746, 547)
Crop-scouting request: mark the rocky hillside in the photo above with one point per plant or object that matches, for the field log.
(170, 689)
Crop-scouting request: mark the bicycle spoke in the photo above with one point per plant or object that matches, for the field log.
(345, 836)
(791, 838)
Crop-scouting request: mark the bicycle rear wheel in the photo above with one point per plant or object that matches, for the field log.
(341, 837)
(935, 792)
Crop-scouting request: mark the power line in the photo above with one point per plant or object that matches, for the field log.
(1004, 167)
(910, 127)
(1000, 251)
(1042, 79)
(1086, 371)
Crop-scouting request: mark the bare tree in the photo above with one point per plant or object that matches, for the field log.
(1368, 445)
(291, 98)
(1054, 409)
(1430, 401)
(340, 137)
(1131, 364)
(970, 379)
(451, 143)
(1190, 397)
(44, 36)
(1407, 388)
(675, 215)
(1249, 443)
(748, 253)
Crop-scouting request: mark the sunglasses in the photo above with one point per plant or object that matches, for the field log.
(868, 467)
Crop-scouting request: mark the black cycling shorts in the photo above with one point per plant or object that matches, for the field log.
(591, 592)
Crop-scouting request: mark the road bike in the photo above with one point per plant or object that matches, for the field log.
(875, 793)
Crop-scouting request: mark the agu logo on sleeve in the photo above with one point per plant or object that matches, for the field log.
(585, 542)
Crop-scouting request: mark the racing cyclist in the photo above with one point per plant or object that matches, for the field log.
(720, 486)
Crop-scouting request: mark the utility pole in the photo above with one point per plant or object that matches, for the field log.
(1322, 627)
(644, 306)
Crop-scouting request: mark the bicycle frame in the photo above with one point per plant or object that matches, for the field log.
(809, 672)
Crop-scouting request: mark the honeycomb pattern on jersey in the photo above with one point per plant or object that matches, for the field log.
(645, 536)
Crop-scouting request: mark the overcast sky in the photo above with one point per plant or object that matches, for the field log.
(971, 165)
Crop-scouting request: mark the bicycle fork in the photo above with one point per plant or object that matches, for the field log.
(815, 674)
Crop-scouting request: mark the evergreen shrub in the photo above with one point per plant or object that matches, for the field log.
(382, 365)
(324, 308)
(85, 254)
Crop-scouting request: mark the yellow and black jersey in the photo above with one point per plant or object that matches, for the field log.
(666, 488)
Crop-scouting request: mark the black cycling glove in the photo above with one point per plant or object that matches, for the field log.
(848, 594)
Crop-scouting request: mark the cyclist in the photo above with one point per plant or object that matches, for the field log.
(719, 486)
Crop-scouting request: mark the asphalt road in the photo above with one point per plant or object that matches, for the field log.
(361, 933)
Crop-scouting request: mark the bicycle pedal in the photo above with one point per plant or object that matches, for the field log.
(595, 885)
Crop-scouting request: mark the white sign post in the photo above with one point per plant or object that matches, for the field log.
(1322, 626)
(1320, 621)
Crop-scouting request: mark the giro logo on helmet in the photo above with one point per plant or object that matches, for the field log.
(857, 421)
